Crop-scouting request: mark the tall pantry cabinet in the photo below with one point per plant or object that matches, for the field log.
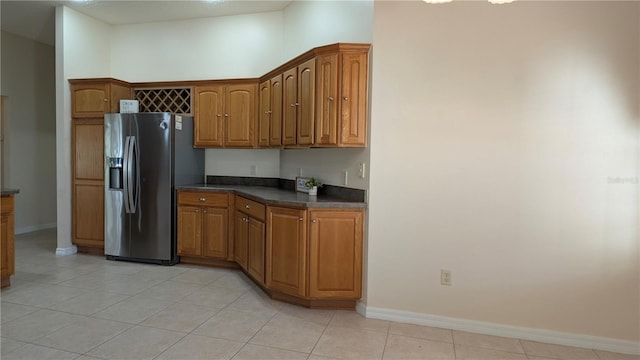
(90, 100)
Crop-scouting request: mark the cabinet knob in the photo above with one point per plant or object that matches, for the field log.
(330, 98)
(297, 104)
(301, 219)
(293, 105)
(268, 112)
(197, 210)
(105, 99)
(247, 206)
(245, 219)
(314, 221)
(202, 199)
(226, 115)
(218, 115)
(345, 98)
(204, 211)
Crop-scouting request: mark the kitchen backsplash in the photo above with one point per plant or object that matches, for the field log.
(286, 184)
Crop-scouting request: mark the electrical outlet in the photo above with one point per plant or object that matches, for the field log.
(254, 169)
(445, 277)
(346, 177)
(300, 172)
(361, 170)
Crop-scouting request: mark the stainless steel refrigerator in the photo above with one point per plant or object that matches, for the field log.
(146, 156)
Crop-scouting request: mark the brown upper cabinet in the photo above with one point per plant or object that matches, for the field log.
(341, 100)
(270, 113)
(298, 93)
(324, 98)
(318, 99)
(94, 97)
(225, 115)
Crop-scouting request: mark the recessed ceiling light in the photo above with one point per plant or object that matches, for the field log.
(436, 1)
(498, 2)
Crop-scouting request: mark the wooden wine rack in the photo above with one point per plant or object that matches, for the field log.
(174, 100)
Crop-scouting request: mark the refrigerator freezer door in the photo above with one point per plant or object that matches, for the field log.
(115, 241)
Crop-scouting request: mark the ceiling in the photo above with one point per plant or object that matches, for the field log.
(36, 19)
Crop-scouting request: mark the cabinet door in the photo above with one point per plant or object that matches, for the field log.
(275, 137)
(88, 210)
(353, 114)
(286, 250)
(335, 254)
(4, 251)
(241, 239)
(327, 100)
(264, 113)
(214, 232)
(208, 104)
(7, 252)
(306, 101)
(90, 99)
(255, 263)
(240, 115)
(290, 105)
(87, 183)
(189, 231)
(88, 149)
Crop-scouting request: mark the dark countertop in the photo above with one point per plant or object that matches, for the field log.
(277, 196)
(6, 191)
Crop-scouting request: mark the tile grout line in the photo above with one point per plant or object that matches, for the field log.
(386, 340)
(326, 326)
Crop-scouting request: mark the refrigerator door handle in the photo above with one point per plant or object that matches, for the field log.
(130, 175)
(135, 176)
(126, 177)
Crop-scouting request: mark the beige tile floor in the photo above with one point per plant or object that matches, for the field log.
(85, 307)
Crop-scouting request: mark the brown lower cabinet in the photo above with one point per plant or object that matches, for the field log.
(286, 250)
(315, 254)
(310, 257)
(7, 252)
(202, 226)
(250, 237)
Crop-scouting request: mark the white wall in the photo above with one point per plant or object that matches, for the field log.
(241, 46)
(243, 162)
(497, 136)
(82, 51)
(328, 165)
(308, 24)
(28, 82)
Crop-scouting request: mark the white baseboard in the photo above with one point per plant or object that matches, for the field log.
(28, 229)
(479, 327)
(66, 251)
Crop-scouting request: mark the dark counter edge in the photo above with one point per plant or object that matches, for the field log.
(329, 196)
(6, 192)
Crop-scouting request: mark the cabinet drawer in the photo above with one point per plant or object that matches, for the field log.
(250, 207)
(7, 204)
(212, 199)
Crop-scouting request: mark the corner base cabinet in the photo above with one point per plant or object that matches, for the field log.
(315, 254)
